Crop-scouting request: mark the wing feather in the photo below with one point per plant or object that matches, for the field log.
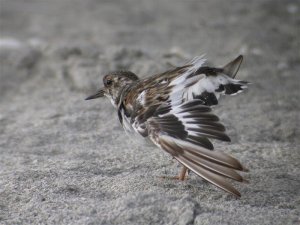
(209, 171)
(208, 83)
(185, 135)
(173, 110)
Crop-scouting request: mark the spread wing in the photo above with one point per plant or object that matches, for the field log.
(184, 132)
(191, 81)
(173, 110)
(207, 83)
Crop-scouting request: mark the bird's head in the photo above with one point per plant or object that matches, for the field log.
(114, 84)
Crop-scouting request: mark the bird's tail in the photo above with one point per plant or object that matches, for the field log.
(213, 166)
(232, 86)
(232, 68)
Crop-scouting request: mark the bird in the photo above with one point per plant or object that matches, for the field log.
(174, 110)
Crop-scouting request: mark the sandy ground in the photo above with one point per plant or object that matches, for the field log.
(64, 160)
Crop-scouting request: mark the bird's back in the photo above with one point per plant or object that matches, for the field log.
(182, 84)
(173, 110)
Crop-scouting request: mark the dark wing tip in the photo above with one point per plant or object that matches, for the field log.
(240, 57)
(232, 68)
(226, 138)
(245, 170)
(237, 194)
(200, 141)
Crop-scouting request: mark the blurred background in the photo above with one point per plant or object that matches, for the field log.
(64, 160)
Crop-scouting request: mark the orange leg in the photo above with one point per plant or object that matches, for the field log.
(182, 175)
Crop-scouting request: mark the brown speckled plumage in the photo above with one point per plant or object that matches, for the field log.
(173, 110)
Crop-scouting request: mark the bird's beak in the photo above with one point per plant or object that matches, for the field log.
(98, 94)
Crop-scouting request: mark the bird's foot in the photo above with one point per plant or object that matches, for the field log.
(182, 175)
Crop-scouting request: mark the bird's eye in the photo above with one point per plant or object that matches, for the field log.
(107, 82)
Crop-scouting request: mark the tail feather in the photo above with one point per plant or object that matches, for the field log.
(212, 166)
(232, 68)
(216, 157)
(232, 87)
(212, 177)
(208, 83)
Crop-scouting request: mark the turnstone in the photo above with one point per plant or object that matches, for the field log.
(174, 110)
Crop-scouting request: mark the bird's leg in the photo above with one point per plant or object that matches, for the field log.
(182, 175)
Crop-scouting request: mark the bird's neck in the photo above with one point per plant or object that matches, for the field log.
(121, 95)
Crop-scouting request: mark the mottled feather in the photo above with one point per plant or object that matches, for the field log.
(173, 110)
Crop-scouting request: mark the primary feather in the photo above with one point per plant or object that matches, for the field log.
(173, 110)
